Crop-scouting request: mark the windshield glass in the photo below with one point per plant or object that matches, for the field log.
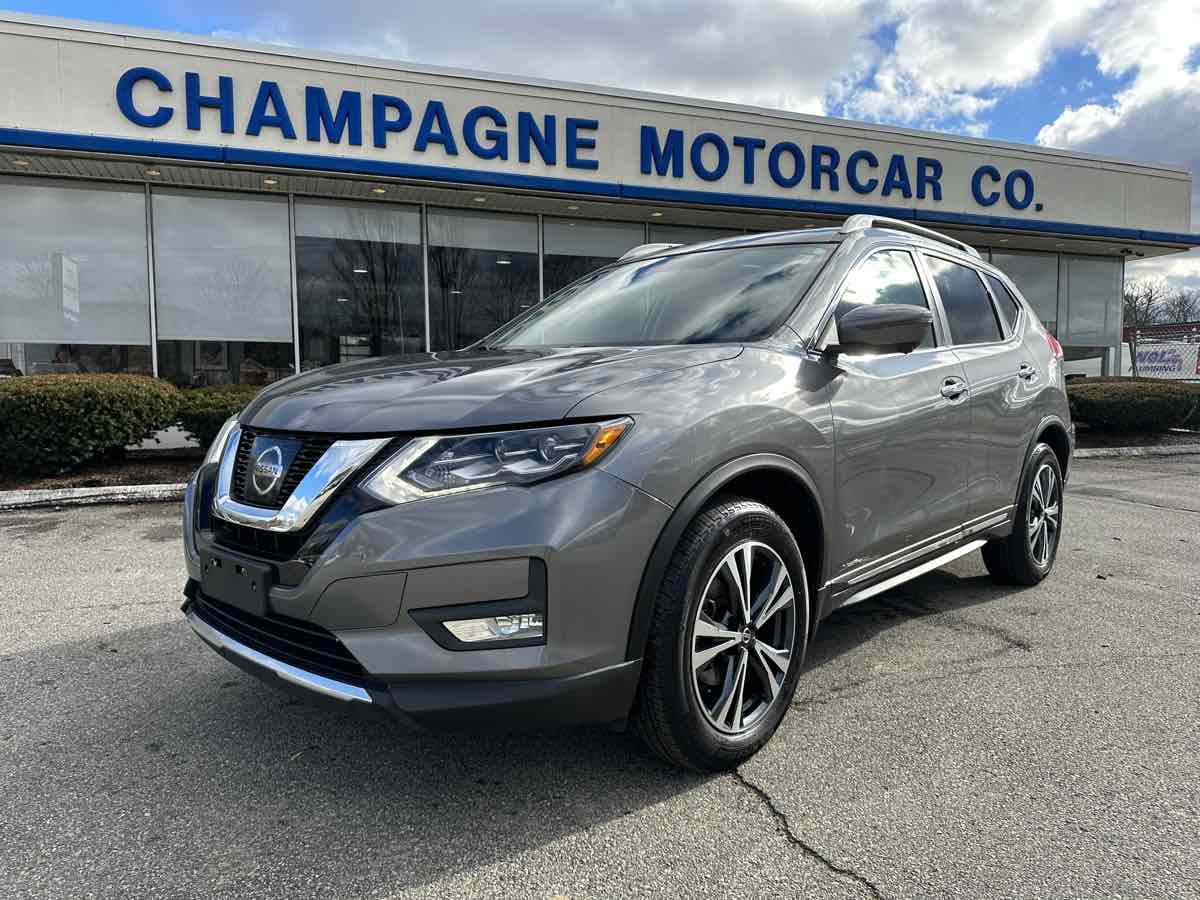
(735, 294)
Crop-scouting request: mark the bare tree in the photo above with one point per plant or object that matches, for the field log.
(1181, 306)
(1144, 298)
(371, 267)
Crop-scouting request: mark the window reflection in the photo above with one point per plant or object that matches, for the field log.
(202, 363)
(360, 288)
(222, 266)
(889, 276)
(573, 247)
(708, 296)
(74, 291)
(483, 271)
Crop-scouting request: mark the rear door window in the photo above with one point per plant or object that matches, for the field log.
(888, 276)
(968, 308)
(1006, 303)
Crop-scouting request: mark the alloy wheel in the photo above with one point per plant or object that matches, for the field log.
(1045, 515)
(743, 637)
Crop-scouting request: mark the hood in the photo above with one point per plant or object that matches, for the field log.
(464, 389)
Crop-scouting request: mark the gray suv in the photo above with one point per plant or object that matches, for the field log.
(635, 503)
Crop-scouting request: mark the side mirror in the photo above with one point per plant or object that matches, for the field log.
(883, 327)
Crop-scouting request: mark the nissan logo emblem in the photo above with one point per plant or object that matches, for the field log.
(268, 470)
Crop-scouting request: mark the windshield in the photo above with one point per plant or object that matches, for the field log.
(735, 294)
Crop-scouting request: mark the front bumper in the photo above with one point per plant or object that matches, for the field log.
(601, 696)
(375, 584)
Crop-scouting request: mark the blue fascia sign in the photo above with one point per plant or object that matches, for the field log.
(486, 133)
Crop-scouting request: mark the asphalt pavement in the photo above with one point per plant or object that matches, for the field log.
(950, 739)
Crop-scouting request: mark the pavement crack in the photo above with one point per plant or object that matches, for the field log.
(842, 692)
(785, 827)
(1008, 638)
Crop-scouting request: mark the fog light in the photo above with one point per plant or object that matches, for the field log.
(497, 628)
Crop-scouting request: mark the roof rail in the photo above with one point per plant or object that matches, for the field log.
(646, 249)
(860, 222)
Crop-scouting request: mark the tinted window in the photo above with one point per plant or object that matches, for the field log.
(358, 281)
(703, 297)
(223, 287)
(1006, 303)
(889, 276)
(1092, 301)
(483, 271)
(74, 292)
(968, 308)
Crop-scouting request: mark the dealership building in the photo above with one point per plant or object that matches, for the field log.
(213, 212)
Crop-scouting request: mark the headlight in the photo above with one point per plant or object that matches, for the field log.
(218, 445)
(433, 466)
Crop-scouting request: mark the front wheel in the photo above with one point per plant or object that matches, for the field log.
(727, 639)
(1026, 556)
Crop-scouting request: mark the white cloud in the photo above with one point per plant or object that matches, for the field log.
(1157, 117)
(951, 59)
(778, 53)
(1180, 271)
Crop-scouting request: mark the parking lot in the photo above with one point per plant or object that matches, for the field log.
(951, 738)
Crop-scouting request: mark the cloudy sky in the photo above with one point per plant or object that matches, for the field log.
(1118, 77)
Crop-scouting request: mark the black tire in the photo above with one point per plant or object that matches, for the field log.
(669, 713)
(1014, 560)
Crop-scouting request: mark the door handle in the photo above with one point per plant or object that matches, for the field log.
(1026, 371)
(954, 388)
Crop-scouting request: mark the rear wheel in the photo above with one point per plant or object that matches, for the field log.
(727, 639)
(1026, 556)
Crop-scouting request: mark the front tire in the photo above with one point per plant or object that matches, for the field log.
(1027, 555)
(727, 639)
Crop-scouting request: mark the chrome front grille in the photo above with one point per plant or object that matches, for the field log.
(327, 464)
(311, 450)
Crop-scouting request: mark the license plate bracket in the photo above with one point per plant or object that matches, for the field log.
(237, 581)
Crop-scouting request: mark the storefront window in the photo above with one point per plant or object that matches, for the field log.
(1036, 276)
(483, 270)
(686, 234)
(74, 294)
(1092, 289)
(223, 288)
(360, 287)
(573, 247)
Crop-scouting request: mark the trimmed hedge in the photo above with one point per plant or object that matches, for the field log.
(1134, 404)
(53, 422)
(202, 411)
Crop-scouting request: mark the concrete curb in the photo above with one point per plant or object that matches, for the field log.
(91, 496)
(1118, 452)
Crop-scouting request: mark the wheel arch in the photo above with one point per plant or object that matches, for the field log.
(765, 477)
(1053, 431)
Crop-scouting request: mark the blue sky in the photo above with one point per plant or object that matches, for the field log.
(1117, 77)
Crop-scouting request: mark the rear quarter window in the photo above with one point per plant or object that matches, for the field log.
(1006, 303)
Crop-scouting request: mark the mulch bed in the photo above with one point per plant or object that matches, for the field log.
(174, 468)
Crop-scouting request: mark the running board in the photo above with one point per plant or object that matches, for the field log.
(909, 575)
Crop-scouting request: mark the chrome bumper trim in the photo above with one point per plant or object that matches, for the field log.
(339, 690)
(337, 464)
